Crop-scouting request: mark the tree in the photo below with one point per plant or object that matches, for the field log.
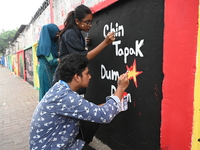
(5, 38)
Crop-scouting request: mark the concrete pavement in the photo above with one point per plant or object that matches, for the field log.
(18, 100)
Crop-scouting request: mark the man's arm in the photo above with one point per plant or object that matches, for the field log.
(77, 107)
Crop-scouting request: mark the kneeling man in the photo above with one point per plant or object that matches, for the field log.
(55, 122)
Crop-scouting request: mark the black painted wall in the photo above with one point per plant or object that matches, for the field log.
(138, 128)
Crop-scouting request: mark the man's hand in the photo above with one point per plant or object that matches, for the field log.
(123, 81)
(122, 84)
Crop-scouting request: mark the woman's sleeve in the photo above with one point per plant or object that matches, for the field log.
(52, 60)
(74, 44)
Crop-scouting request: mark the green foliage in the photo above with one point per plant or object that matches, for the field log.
(5, 38)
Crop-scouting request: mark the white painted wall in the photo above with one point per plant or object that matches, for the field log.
(60, 10)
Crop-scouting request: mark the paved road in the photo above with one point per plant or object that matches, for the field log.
(18, 100)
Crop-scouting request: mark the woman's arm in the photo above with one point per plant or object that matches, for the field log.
(108, 40)
(52, 60)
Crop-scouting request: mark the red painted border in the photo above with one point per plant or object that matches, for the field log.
(18, 60)
(61, 27)
(102, 5)
(180, 45)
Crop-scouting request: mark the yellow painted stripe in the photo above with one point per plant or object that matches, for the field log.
(196, 118)
(35, 67)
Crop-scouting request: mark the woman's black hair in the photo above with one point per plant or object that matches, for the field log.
(79, 13)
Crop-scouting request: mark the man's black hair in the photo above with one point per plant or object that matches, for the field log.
(70, 65)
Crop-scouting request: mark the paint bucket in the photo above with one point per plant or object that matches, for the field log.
(126, 97)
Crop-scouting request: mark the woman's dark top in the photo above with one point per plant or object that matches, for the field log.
(72, 41)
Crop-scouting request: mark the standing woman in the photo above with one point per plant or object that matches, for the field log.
(47, 54)
(72, 40)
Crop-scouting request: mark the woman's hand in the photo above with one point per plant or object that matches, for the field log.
(58, 59)
(110, 38)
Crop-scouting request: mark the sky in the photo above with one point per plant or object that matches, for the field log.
(14, 13)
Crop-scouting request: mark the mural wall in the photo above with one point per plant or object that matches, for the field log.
(137, 48)
(15, 64)
(179, 68)
(20, 56)
(9, 62)
(29, 65)
(35, 67)
(196, 116)
(61, 8)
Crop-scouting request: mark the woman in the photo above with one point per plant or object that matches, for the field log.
(47, 54)
(72, 41)
(71, 38)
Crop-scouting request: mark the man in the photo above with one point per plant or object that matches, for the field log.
(55, 121)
